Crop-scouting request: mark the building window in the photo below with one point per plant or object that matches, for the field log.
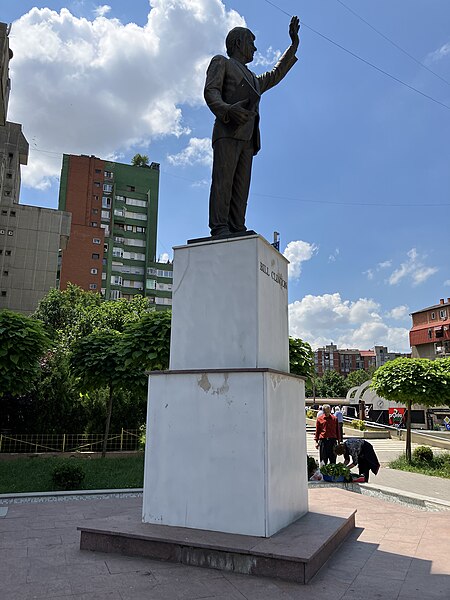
(92, 286)
(98, 170)
(97, 183)
(12, 213)
(109, 175)
(442, 313)
(96, 241)
(430, 334)
(96, 198)
(95, 211)
(107, 187)
(94, 271)
(7, 252)
(8, 175)
(10, 232)
(3, 293)
(95, 256)
(105, 214)
(4, 212)
(106, 202)
(433, 315)
(120, 198)
(7, 193)
(6, 273)
(151, 284)
(94, 224)
(131, 188)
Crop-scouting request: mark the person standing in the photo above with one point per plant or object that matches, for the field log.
(327, 435)
(340, 417)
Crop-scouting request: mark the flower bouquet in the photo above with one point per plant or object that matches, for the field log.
(336, 473)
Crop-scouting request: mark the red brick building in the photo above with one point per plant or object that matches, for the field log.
(430, 333)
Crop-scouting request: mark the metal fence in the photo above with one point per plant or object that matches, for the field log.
(126, 440)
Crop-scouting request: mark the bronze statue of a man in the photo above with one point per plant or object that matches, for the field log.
(233, 92)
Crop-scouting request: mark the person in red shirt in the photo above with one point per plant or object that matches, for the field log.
(327, 435)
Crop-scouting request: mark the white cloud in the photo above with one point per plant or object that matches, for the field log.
(297, 252)
(266, 60)
(447, 282)
(333, 256)
(197, 152)
(412, 268)
(440, 53)
(349, 324)
(101, 11)
(399, 312)
(385, 264)
(164, 258)
(370, 273)
(121, 84)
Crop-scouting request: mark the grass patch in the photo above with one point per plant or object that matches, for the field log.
(35, 474)
(439, 466)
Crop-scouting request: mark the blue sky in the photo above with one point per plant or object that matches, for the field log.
(354, 167)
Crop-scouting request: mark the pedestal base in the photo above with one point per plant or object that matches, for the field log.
(294, 554)
(226, 451)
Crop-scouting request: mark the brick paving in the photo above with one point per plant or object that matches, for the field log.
(396, 553)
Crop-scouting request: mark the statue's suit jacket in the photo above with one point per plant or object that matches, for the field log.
(223, 77)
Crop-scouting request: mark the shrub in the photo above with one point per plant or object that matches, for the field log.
(312, 466)
(358, 424)
(423, 454)
(67, 476)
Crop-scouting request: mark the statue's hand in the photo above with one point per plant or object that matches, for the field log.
(294, 28)
(238, 113)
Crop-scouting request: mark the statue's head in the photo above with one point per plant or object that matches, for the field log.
(240, 41)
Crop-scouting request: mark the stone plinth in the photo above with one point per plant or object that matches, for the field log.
(226, 451)
(229, 306)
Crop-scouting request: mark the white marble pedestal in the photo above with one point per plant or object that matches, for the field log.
(226, 451)
(226, 442)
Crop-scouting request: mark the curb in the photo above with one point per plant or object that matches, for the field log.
(389, 494)
(40, 497)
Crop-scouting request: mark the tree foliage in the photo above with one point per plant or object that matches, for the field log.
(411, 381)
(301, 358)
(331, 385)
(139, 160)
(61, 311)
(356, 378)
(23, 342)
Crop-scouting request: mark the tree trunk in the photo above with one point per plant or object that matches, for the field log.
(408, 431)
(108, 421)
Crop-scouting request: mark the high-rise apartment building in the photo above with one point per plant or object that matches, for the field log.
(112, 247)
(30, 237)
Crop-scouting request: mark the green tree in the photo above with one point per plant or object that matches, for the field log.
(112, 315)
(411, 381)
(301, 358)
(139, 160)
(119, 361)
(145, 346)
(356, 378)
(96, 361)
(23, 342)
(62, 310)
(331, 385)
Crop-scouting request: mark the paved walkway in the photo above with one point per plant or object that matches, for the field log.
(424, 485)
(396, 553)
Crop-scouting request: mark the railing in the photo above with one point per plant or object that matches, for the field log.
(39, 443)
